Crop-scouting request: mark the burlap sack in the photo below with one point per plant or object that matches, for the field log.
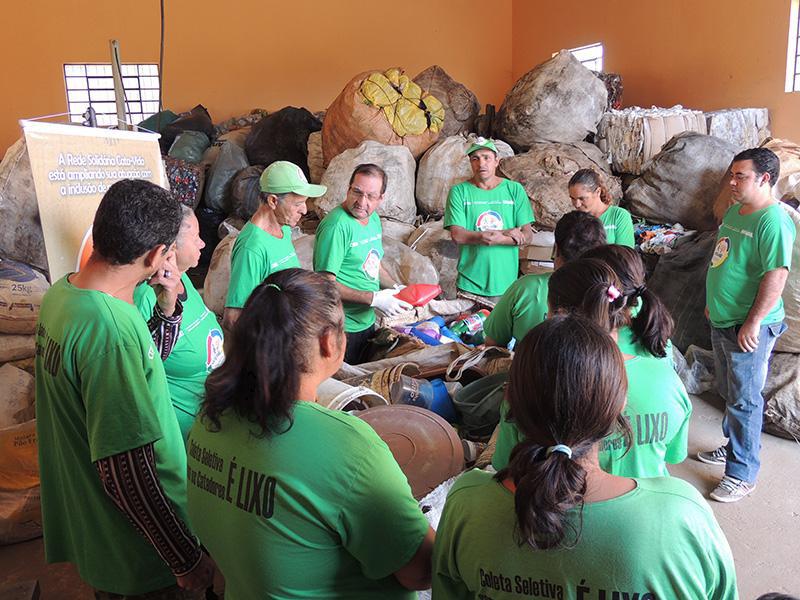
(461, 106)
(790, 340)
(782, 396)
(432, 240)
(315, 167)
(558, 101)
(21, 292)
(444, 165)
(681, 183)
(386, 107)
(544, 171)
(215, 288)
(20, 230)
(398, 200)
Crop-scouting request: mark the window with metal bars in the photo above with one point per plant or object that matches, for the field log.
(93, 85)
(793, 50)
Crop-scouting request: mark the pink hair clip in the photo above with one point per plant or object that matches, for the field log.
(613, 293)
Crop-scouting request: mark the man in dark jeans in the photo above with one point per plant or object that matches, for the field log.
(745, 280)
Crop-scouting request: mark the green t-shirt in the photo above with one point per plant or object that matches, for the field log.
(658, 410)
(353, 252)
(198, 351)
(627, 345)
(522, 307)
(619, 226)
(487, 270)
(100, 391)
(319, 511)
(660, 540)
(748, 246)
(255, 256)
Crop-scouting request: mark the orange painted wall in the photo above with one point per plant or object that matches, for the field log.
(705, 54)
(237, 55)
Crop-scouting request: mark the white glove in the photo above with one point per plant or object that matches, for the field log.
(385, 301)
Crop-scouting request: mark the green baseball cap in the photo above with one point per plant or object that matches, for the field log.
(480, 143)
(282, 177)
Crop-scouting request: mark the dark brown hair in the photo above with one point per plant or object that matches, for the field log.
(652, 326)
(567, 385)
(586, 286)
(592, 180)
(373, 171)
(270, 346)
(576, 232)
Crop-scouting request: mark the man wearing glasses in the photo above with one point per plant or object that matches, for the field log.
(349, 248)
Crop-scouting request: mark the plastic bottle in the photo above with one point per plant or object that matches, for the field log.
(471, 324)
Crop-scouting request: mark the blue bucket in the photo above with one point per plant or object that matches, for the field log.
(431, 395)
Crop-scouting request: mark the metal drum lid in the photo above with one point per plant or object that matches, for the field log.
(426, 447)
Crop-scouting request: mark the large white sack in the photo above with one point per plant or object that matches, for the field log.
(742, 127)
(21, 235)
(631, 137)
(558, 101)
(681, 183)
(432, 240)
(21, 293)
(461, 106)
(545, 170)
(398, 202)
(782, 396)
(790, 340)
(444, 165)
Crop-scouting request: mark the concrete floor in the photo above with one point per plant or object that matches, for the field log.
(763, 530)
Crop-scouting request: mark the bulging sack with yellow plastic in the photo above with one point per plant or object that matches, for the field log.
(387, 107)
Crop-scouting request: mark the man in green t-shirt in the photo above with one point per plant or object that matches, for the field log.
(489, 218)
(349, 248)
(111, 455)
(745, 280)
(264, 245)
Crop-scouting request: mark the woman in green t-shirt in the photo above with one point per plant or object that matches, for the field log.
(588, 192)
(294, 500)
(553, 524)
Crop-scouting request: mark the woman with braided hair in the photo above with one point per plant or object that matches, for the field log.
(588, 192)
(553, 524)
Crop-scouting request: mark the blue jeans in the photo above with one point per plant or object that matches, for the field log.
(740, 379)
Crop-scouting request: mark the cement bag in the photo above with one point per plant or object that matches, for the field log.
(246, 191)
(16, 347)
(782, 396)
(679, 279)
(189, 146)
(461, 106)
(282, 135)
(215, 288)
(21, 292)
(230, 161)
(20, 230)
(386, 107)
(790, 340)
(558, 101)
(787, 186)
(432, 240)
(186, 180)
(742, 127)
(544, 171)
(681, 183)
(315, 161)
(397, 230)
(633, 136)
(20, 517)
(398, 201)
(196, 119)
(444, 165)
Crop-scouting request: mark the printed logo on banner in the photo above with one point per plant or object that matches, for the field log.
(721, 252)
(372, 264)
(215, 354)
(489, 220)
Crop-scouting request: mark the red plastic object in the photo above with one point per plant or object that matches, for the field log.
(419, 294)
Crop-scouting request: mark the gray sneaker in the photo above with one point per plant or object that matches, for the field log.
(714, 457)
(731, 489)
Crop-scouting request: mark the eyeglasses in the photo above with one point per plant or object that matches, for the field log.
(357, 193)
